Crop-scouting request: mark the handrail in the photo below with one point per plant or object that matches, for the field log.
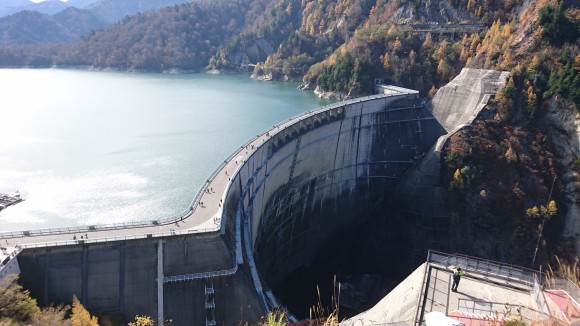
(420, 303)
(565, 284)
(484, 267)
(480, 306)
(438, 253)
(202, 275)
(116, 238)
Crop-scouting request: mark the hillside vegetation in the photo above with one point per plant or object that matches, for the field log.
(32, 27)
(506, 174)
(338, 46)
(54, 21)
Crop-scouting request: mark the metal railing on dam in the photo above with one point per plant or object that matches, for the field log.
(116, 238)
(202, 275)
(483, 269)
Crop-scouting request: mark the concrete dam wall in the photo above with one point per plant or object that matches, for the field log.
(295, 206)
(312, 186)
(122, 278)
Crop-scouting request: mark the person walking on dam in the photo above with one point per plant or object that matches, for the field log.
(457, 273)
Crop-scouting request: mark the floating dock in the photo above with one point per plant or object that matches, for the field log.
(9, 200)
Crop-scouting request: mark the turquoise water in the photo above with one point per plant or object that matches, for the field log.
(88, 147)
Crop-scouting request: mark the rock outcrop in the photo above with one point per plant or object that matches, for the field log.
(564, 128)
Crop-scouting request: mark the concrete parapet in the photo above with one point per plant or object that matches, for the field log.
(398, 306)
(458, 103)
(9, 265)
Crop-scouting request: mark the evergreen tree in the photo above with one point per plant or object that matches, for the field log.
(15, 302)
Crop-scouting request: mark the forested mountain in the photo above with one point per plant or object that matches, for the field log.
(53, 21)
(180, 37)
(501, 171)
(335, 45)
(49, 7)
(79, 22)
(111, 11)
(30, 27)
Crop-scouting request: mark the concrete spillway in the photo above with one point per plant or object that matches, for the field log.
(294, 200)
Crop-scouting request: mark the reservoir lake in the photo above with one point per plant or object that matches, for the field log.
(88, 147)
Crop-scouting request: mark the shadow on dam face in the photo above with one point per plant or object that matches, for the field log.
(321, 208)
(358, 240)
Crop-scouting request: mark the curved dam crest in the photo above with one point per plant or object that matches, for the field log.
(323, 178)
(301, 197)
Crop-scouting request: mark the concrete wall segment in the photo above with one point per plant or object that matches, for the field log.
(11, 267)
(398, 306)
(104, 278)
(348, 157)
(188, 255)
(459, 102)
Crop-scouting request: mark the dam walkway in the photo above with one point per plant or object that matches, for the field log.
(202, 216)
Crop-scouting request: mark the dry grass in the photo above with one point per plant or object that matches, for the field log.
(563, 270)
(319, 316)
(323, 316)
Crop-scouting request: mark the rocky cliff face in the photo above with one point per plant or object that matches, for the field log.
(563, 123)
(440, 12)
(495, 172)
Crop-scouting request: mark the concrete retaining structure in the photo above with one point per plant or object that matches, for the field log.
(121, 278)
(9, 264)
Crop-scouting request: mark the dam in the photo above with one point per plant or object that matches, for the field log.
(311, 196)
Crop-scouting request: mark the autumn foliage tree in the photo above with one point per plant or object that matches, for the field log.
(50, 316)
(80, 316)
(18, 308)
(141, 320)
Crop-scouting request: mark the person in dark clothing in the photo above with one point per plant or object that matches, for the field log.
(457, 273)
